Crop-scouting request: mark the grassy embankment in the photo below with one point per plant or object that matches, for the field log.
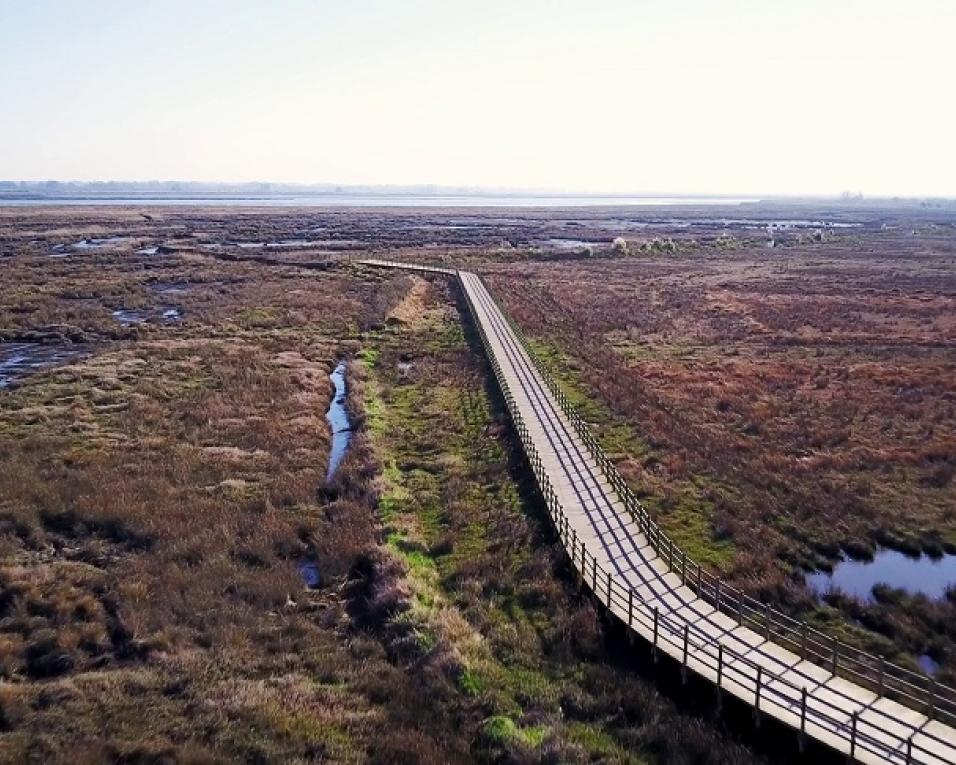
(486, 613)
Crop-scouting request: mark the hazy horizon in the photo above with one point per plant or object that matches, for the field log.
(67, 187)
(734, 98)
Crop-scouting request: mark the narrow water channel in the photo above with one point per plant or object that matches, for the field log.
(338, 419)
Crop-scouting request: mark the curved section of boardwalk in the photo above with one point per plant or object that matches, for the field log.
(634, 571)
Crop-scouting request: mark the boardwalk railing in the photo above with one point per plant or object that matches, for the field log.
(914, 689)
(867, 733)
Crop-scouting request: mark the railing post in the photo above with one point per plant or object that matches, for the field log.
(630, 606)
(909, 750)
(717, 595)
(932, 698)
(836, 652)
(608, 590)
(683, 567)
(583, 571)
(683, 668)
(720, 673)
(803, 718)
(757, 696)
(880, 676)
(656, 619)
(853, 735)
(740, 607)
(766, 622)
(803, 639)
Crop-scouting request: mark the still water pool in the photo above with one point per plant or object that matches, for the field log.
(922, 575)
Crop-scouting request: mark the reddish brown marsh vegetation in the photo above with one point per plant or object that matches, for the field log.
(777, 405)
(158, 494)
(156, 498)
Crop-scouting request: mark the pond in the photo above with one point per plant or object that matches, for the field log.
(571, 244)
(62, 250)
(96, 244)
(309, 571)
(291, 243)
(169, 288)
(20, 359)
(916, 575)
(130, 317)
(338, 418)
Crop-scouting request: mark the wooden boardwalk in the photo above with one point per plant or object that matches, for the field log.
(856, 704)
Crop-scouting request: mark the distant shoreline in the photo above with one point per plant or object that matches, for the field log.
(365, 200)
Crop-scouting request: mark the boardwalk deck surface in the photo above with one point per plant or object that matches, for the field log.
(616, 560)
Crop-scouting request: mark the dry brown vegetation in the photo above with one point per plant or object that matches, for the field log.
(156, 498)
(158, 494)
(775, 406)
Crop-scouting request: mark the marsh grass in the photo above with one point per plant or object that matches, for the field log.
(773, 414)
(158, 494)
(488, 615)
(156, 497)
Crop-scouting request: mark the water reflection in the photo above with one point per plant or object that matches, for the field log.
(128, 317)
(20, 359)
(927, 664)
(309, 571)
(62, 250)
(922, 575)
(572, 244)
(338, 421)
(131, 317)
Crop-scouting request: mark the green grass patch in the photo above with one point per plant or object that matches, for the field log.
(470, 683)
(601, 744)
(450, 508)
(258, 317)
(685, 515)
(615, 437)
(504, 730)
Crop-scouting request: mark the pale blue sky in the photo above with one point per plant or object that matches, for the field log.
(727, 96)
